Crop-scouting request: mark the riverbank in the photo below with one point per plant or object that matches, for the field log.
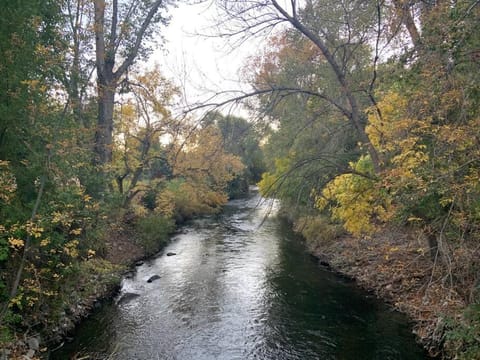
(125, 239)
(395, 265)
(241, 286)
(98, 280)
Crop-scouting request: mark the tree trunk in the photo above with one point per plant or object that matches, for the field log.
(432, 245)
(355, 119)
(106, 47)
(404, 13)
(104, 131)
(146, 144)
(119, 180)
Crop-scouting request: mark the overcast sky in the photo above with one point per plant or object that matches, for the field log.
(200, 64)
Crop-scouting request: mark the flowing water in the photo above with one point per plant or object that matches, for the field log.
(241, 286)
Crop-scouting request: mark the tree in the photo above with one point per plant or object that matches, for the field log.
(140, 123)
(340, 31)
(241, 138)
(202, 170)
(427, 132)
(78, 64)
(122, 30)
(310, 141)
(39, 161)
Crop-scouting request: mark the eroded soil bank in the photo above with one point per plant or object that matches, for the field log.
(396, 266)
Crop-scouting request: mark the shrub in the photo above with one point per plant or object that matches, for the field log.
(154, 232)
(317, 230)
(463, 337)
(184, 200)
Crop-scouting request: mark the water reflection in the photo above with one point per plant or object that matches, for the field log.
(238, 290)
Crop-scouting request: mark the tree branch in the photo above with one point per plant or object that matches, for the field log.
(138, 41)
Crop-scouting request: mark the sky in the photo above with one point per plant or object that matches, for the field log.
(201, 65)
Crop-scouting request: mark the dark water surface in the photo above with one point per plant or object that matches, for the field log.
(238, 290)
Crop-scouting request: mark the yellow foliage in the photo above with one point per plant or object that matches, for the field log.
(8, 183)
(33, 229)
(397, 135)
(90, 253)
(270, 182)
(77, 231)
(65, 219)
(429, 153)
(203, 160)
(166, 203)
(190, 199)
(356, 200)
(266, 185)
(139, 210)
(15, 243)
(16, 301)
(71, 249)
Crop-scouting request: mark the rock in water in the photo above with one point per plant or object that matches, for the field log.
(127, 297)
(153, 278)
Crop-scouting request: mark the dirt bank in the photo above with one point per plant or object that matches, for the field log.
(395, 265)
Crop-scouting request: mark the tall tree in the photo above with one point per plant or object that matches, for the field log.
(140, 122)
(241, 138)
(339, 30)
(78, 65)
(122, 30)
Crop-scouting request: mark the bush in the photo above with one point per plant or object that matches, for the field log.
(185, 200)
(317, 230)
(154, 232)
(463, 337)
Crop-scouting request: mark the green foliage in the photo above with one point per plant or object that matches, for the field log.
(36, 139)
(282, 182)
(310, 141)
(154, 231)
(462, 336)
(5, 335)
(318, 230)
(3, 254)
(149, 199)
(241, 138)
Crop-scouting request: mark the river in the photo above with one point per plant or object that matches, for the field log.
(241, 286)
